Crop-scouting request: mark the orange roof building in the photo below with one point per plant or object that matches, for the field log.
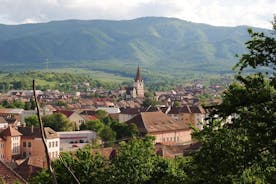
(162, 127)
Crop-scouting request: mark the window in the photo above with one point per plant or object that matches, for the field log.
(24, 144)
(29, 144)
(15, 147)
(50, 144)
(56, 144)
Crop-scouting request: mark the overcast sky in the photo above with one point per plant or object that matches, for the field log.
(256, 13)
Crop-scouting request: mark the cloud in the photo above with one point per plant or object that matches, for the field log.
(216, 12)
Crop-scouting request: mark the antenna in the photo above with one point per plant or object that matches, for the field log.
(47, 66)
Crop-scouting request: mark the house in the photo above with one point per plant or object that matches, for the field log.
(193, 115)
(10, 144)
(32, 144)
(107, 152)
(173, 151)
(24, 147)
(12, 114)
(23, 93)
(162, 127)
(78, 138)
(47, 110)
(109, 110)
(3, 123)
(8, 175)
(30, 166)
(2, 148)
(126, 113)
(73, 116)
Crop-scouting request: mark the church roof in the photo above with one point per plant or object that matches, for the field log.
(138, 75)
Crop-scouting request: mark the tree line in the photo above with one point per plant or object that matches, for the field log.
(66, 82)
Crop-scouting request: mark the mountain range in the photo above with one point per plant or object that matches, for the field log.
(157, 44)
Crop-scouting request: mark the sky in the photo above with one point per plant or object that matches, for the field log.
(257, 13)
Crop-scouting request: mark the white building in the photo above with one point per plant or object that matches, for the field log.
(75, 138)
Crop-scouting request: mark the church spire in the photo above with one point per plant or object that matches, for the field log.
(138, 75)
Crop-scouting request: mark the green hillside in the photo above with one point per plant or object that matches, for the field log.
(169, 45)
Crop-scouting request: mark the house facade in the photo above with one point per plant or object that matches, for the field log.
(73, 116)
(32, 144)
(10, 143)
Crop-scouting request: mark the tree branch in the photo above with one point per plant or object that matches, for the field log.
(43, 135)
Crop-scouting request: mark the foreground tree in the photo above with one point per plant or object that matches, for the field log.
(57, 122)
(243, 151)
(87, 167)
(134, 162)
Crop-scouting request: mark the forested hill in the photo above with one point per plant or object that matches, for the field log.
(156, 43)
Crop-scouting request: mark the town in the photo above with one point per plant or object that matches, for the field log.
(167, 116)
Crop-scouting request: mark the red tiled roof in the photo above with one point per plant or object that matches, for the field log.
(88, 112)
(108, 152)
(151, 122)
(10, 131)
(186, 109)
(197, 109)
(9, 175)
(132, 111)
(31, 166)
(171, 151)
(88, 117)
(35, 132)
(177, 110)
(65, 112)
(2, 120)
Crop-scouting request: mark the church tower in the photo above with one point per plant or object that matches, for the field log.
(138, 84)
